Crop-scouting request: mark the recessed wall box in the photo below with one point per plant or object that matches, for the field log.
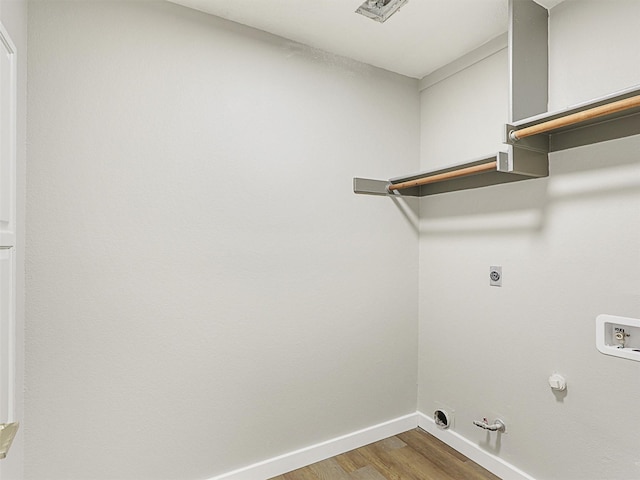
(618, 336)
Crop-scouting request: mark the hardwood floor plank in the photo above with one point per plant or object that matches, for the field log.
(391, 443)
(418, 437)
(352, 461)
(329, 469)
(367, 473)
(368, 453)
(392, 465)
(421, 465)
(300, 474)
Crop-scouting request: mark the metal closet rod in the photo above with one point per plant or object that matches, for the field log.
(440, 177)
(574, 118)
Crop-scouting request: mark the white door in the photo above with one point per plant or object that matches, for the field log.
(7, 334)
(8, 98)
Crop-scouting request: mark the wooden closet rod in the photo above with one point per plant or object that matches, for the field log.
(440, 177)
(578, 117)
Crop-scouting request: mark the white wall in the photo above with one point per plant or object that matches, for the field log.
(568, 246)
(13, 15)
(592, 50)
(204, 289)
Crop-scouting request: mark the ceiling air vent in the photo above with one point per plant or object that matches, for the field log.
(380, 10)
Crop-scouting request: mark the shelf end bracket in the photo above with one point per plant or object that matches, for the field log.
(367, 186)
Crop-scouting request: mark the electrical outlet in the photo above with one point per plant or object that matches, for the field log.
(495, 276)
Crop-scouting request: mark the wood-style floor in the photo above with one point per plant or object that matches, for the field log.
(413, 455)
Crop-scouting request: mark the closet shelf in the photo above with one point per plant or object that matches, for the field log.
(598, 120)
(481, 172)
(532, 135)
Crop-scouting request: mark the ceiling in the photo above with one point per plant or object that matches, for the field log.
(420, 38)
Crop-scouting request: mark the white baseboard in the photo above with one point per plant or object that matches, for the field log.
(321, 451)
(494, 464)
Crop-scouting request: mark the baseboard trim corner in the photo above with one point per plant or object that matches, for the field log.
(321, 451)
(495, 465)
(315, 453)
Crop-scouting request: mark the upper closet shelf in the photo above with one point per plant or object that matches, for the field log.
(605, 118)
(482, 172)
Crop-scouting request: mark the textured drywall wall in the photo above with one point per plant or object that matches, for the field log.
(204, 289)
(593, 50)
(568, 246)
